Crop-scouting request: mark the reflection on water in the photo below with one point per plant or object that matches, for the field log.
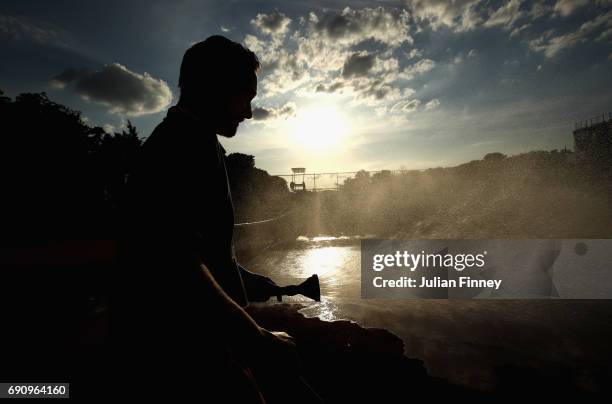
(335, 260)
(461, 340)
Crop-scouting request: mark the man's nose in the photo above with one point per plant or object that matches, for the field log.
(249, 112)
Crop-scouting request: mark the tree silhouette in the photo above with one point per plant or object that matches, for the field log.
(64, 179)
(61, 178)
(256, 194)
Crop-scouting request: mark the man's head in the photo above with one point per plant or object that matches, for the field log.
(218, 79)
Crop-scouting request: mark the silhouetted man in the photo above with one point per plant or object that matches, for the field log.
(177, 312)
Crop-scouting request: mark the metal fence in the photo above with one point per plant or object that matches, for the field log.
(331, 181)
(587, 123)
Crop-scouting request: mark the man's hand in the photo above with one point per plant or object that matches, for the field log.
(268, 349)
(259, 288)
(277, 350)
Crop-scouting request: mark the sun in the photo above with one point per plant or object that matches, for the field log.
(319, 128)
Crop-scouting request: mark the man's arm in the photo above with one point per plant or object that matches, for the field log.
(174, 184)
(228, 315)
(250, 341)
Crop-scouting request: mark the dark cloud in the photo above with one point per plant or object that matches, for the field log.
(265, 114)
(332, 88)
(369, 53)
(358, 65)
(336, 25)
(20, 28)
(551, 45)
(67, 76)
(379, 92)
(119, 89)
(540, 9)
(373, 90)
(322, 48)
(567, 7)
(354, 26)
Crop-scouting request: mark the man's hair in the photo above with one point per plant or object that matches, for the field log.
(216, 66)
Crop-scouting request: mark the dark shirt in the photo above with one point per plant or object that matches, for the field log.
(177, 212)
(179, 194)
(177, 207)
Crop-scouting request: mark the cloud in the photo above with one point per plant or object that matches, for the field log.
(331, 88)
(420, 67)
(288, 72)
(266, 114)
(551, 46)
(60, 81)
(108, 128)
(465, 15)
(433, 104)
(520, 29)
(274, 24)
(351, 27)
(374, 91)
(367, 77)
(512, 63)
(358, 64)
(369, 55)
(119, 89)
(414, 53)
(19, 28)
(506, 15)
(540, 9)
(567, 7)
(459, 15)
(261, 48)
(225, 29)
(605, 35)
(281, 70)
(319, 54)
(406, 106)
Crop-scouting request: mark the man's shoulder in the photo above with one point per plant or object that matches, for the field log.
(179, 127)
(172, 127)
(177, 143)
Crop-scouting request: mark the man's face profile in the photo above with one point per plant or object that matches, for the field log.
(237, 109)
(218, 81)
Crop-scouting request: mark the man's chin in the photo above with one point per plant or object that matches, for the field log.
(228, 131)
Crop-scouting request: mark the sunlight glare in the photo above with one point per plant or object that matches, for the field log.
(319, 128)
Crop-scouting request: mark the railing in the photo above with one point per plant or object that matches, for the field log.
(587, 123)
(271, 220)
(251, 238)
(333, 180)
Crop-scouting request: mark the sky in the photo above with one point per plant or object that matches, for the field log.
(344, 85)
